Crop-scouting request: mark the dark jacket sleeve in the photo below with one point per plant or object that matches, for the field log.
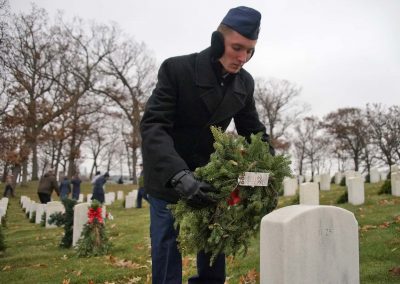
(159, 155)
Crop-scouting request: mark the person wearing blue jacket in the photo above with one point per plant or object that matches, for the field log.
(65, 188)
(98, 188)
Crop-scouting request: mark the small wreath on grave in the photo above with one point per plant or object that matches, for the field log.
(33, 218)
(229, 226)
(43, 220)
(65, 219)
(93, 241)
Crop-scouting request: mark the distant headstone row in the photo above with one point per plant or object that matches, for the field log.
(39, 211)
(309, 191)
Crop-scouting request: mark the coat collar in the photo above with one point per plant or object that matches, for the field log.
(234, 98)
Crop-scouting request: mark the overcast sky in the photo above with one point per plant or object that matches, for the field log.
(341, 52)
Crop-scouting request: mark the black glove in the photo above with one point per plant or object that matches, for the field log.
(193, 190)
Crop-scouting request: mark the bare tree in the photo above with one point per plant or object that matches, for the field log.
(309, 144)
(277, 107)
(347, 125)
(130, 72)
(384, 127)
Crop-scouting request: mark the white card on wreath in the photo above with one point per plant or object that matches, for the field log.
(253, 179)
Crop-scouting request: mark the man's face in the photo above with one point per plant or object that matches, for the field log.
(238, 50)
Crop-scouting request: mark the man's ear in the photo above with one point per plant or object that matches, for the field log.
(251, 55)
(217, 45)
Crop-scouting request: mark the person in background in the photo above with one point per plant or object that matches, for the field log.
(47, 184)
(120, 180)
(76, 186)
(194, 92)
(9, 187)
(141, 192)
(65, 188)
(98, 188)
(96, 176)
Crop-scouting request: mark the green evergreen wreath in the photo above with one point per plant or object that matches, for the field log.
(229, 226)
(65, 219)
(94, 241)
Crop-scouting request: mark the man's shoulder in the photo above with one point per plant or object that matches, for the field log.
(180, 59)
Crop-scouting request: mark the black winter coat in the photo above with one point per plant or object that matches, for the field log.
(175, 127)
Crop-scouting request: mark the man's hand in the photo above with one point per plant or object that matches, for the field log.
(193, 190)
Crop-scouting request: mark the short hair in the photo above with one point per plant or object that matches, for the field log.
(224, 29)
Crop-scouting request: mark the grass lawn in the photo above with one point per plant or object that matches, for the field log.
(33, 254)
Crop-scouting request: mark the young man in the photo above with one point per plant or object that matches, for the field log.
(194, 92)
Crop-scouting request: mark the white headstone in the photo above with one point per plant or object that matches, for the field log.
(349, 174)
(4, 204)
(394, 168)
(325, 182)
(112, 196)
(309, 193)
(51, 208)
(289, 186)
(384, 175)
(80, 219)
(130, 201)
(374, 175)
(395, 183)
(28, 205)
(308, 244)
(338, 178)
(5, 201)
(108, 198)
(32, 209)
(2, 213)
(120, 195)
(25, 202)
(81, 198)
(39, 213)
(4, 210)
(355, 190)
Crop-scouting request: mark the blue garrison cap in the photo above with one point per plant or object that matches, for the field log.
(243, 20)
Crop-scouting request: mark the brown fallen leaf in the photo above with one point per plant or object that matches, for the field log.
(250, 277)
(230, 259)
(139, 247)
(384, 225)
(186, 262)
(395, 271)
(112, 259)
(39, 265)
(7, 267)
(124, 263)
(66, 281)
(365, 228)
